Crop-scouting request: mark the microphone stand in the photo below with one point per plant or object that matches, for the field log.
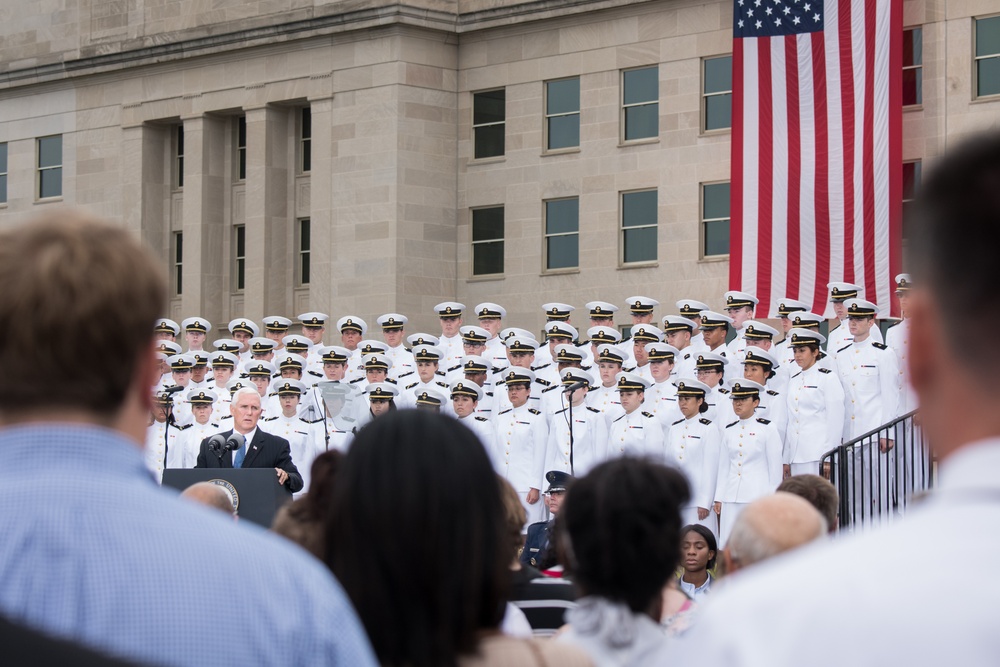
(166, 431)
(571, 439)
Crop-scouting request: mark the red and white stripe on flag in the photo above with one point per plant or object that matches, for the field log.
(816, 190)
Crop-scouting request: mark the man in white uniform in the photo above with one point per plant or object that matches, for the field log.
(519, 442)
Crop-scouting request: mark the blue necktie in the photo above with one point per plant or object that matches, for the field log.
(240, 455)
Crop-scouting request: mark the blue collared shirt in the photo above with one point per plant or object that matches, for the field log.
(91, 549)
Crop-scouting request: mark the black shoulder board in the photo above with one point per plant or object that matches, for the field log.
(503, 412)
(498, 370)
(797, 374)
(647, 414)
(687, 356)
(593, 409)
(307, 421)
(678, 421)
(559, 412)
(706, 422)
(629, 369)
(880, 346)
(481, 419)
(844, 348)
(269, 419)
(226, 417)
(620, 418)
(763, 421)
(441, 373)
(540, 381)
(214, 424)
(587, 368)
(455, 367)
(723, 390)
(488, 393)
(733, 424)
(390, 380)
(403, 375)
(772, 392)
(355, 380)
(181, 428)
(825, 370)
(538, 368)
(411, 386)
(550, 388)
(319, 375)
(534, 411)
(440, 384)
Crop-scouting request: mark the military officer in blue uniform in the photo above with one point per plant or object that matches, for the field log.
(536, 550)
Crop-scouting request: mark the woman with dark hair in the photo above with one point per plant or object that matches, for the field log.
(301, 521)
(622, 545)
(698, 554)
(693, 448)
(815, 405)
(416, 535)
(381, 399)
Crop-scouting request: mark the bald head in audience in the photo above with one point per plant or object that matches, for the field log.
(820, 493)
(770, 526)
(210, 494)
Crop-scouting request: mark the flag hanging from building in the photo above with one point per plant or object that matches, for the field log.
(816, 148)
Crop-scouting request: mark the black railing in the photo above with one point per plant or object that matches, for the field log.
(878, 474)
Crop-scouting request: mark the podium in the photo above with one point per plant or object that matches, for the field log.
(256, 491)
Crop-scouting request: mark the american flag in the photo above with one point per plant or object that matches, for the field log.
(817, 148)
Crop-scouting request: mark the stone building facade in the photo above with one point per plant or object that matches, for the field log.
(366, 157)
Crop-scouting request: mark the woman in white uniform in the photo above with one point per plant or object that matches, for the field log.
(815, 406)
(693, 448)
(749, 459)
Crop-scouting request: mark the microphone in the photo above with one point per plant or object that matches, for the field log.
(216, 444)
(235, 441)
(172, 390)
(576, 385)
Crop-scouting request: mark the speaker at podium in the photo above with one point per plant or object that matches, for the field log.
(256, 493)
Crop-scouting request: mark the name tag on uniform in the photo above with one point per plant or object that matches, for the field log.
(525, 423)
(638, 427)
(869, 366)
(696, 437)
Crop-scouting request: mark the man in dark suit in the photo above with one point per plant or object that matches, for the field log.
(536, 544)
(260, 449)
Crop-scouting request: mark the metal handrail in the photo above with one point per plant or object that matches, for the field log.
(875, 486)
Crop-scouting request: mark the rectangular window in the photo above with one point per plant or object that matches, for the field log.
(239, 257)
(715, 219)
(3, 173)
(717, 93)
(640, 103)
(305, 141)
(178, 263)
(179, 157)
(562, 114)
(911, 183)
(913, 66)
(639, 226)
(487, 241)
(987, 70)
(304, 247)
(562, 234)
(241, 148)
(50, 166)
(489, 113)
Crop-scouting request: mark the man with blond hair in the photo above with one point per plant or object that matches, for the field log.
(104, 557)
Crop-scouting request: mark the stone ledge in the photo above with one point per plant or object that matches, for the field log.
(109, 57)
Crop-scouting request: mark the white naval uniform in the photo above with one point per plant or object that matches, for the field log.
(607, 401)
(898, 340)
(520, 436)
(870, 375)
(161, 450)
(501, 401)
(814, 403)
(332, 433)
(189, 442)
(772, 407)
(402, 361)
(693, 448)
(590, 440)
(841, 335)
(735, 347)
(684, 363)
(720, 407)
(749, 468)
(453, 349)
(636, 434)
(661, 400)
(482, 426)
(408, 392)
